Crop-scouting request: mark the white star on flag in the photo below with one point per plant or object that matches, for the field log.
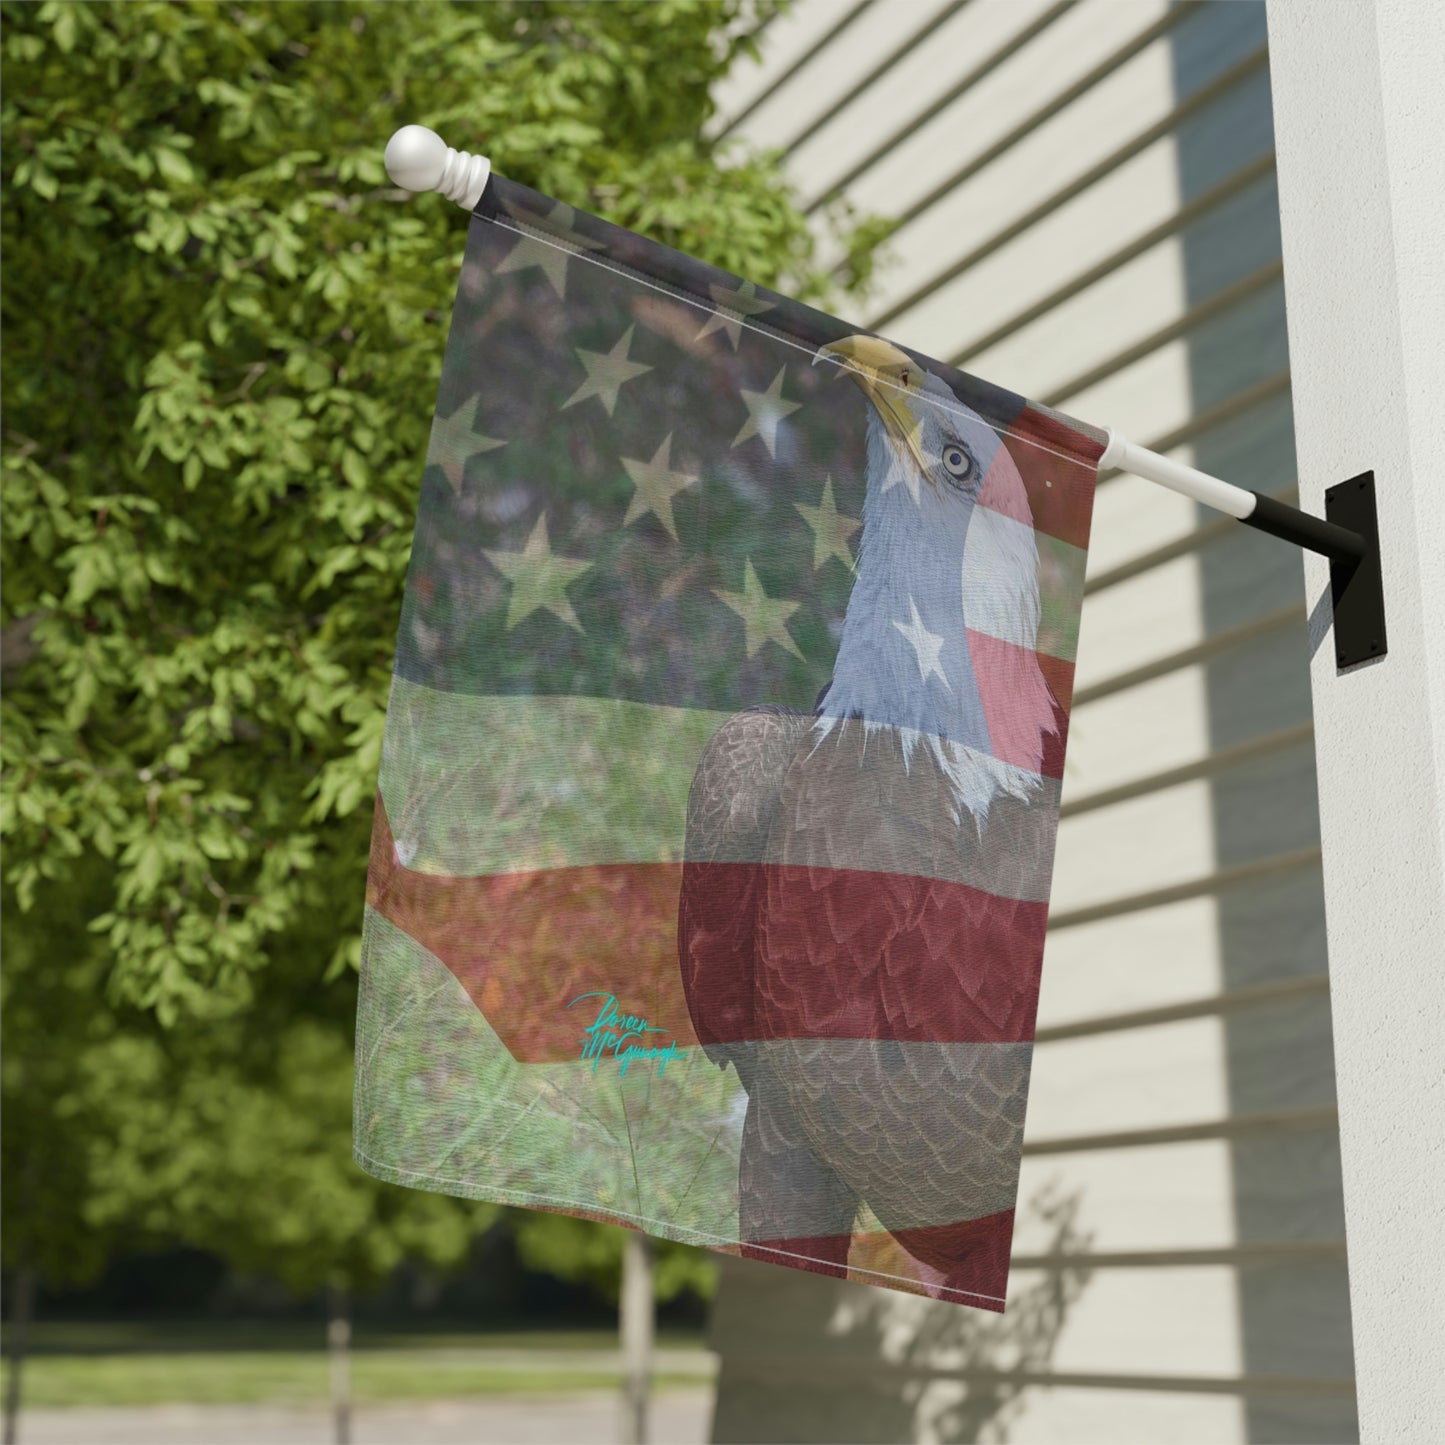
(607, 373)
(831, 528)
(742, 303)
(926, 646)
(547, 250)
(764, 618)
(766, 409)
(455, 440)
(539, 578)
(656, 486)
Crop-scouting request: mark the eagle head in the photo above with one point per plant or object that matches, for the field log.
(942, 624)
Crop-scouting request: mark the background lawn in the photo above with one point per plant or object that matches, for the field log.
(127, 1365)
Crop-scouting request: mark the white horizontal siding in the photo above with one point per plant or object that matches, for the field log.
(788, 38)
(1116, 1081)
(1164, 1318)
(1147, 399)
(1132, 517)
(1059, 1415)
(909, 89)
(837, 71)
(1150, 842)
(1102, 320)
(1147, 959)
(1000, 101)
(1175, 1203)
(1068, 241)
(1141, 621)
(1150, 1321)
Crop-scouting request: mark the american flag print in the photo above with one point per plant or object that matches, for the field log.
(720, 783)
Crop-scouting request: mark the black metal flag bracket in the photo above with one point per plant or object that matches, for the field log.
(1357, 584)
(1348, 534)
(417, 159)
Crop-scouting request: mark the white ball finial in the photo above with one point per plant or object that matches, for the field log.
(418, 159)
(415, 158)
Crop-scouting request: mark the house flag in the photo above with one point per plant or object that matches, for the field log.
(721, 771)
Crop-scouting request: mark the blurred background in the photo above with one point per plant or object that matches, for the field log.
(223, 331)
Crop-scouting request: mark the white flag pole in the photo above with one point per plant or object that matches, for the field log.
(1189, 481)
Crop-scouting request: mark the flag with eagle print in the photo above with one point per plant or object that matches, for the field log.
(717, 805)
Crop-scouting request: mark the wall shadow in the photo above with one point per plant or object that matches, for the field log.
(810, 1359)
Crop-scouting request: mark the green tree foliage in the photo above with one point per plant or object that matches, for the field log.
(53, 1034)
(223, 334)
(231, 1135)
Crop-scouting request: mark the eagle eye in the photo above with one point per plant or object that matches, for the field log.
(958, 462)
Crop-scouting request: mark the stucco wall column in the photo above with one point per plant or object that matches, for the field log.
(1359, 113)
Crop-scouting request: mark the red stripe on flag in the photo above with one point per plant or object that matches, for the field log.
(768, 951)
(1059, 674)
(853, 955)
(967, 1262)
(524, 945)
(1059, 467)
(1013, 724)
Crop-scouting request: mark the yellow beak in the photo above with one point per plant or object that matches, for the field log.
(888, 377)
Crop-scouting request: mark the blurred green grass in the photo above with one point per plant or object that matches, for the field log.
(119, 1365)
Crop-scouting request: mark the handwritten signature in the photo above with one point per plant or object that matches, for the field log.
(612, 1033)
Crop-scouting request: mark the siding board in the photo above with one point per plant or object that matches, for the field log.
(1024, 22)
(1169, 1201)
(1154, 841)
(1078, 1082)
(996, 104)
(1161, 956)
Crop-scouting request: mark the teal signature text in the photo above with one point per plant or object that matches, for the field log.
(616, 1035)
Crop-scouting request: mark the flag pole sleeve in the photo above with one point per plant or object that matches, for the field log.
(418, 159)
(1340, 544)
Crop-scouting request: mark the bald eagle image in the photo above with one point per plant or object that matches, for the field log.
(860, 912)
